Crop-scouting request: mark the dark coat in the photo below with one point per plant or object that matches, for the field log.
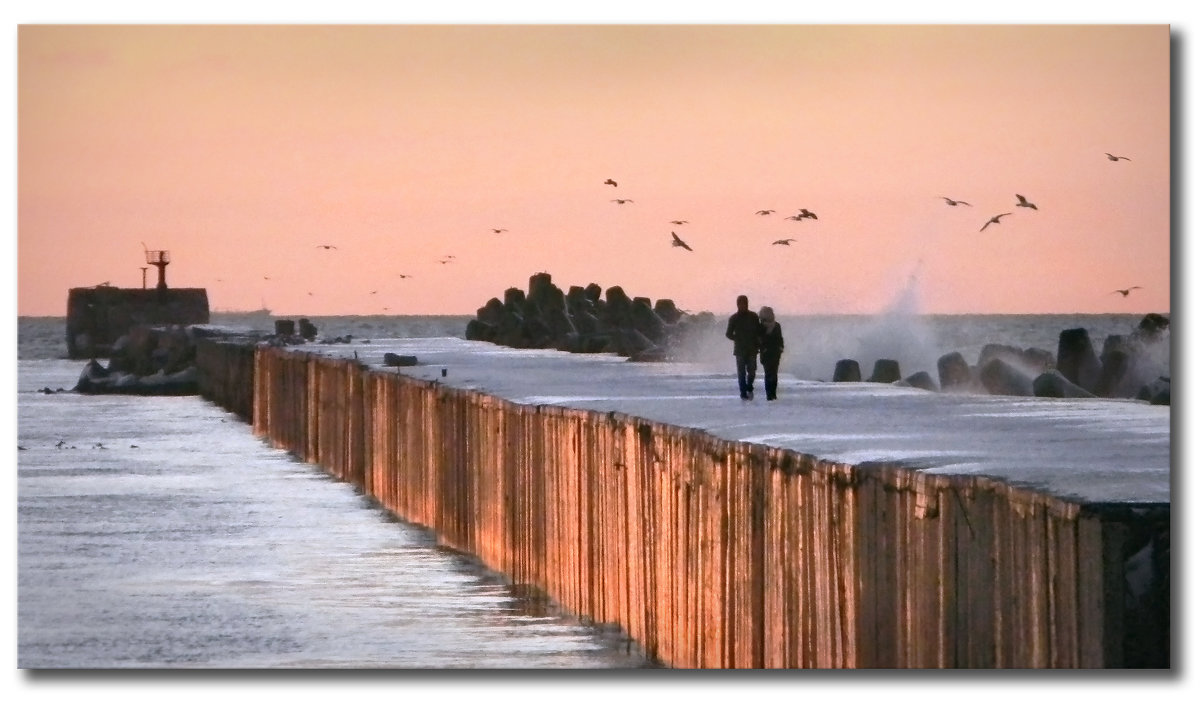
(770, 344)
(743, 329)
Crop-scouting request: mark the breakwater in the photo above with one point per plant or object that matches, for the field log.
(99, 316)
(718, 553)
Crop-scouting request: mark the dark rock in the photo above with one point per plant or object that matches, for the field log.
(593, 291)
(479, 330)
(307, 330)
(953, 372)
(1077, 359)
(1037, 360)
(920, 380)
(93, 377)
(1157, 392)
(1001, 377)
(1153, 326)
(578, 302)
(616, 308)
(1053, 384)
(391, 359)
(653, 353)
(559, 324)
(540, 286)
(285, 327)
(536, 333)
(628, 342)
(886, 371)
(514, 299)
(991, 351)
(666, 310)
(847, 370)
(586, 323)
(643, 319)
(491, 312)
(1116, 361)
(594, 344)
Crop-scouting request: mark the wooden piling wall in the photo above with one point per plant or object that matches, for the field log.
(719, 554)
(225, 375)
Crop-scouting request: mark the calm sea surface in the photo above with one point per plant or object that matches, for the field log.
(160, 533)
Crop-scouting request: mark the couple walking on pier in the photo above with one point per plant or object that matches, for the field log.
(755, 335)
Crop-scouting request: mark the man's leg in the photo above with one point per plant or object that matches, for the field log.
(751, 368)
(741, 374)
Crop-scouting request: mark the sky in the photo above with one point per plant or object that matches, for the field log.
(242, 149)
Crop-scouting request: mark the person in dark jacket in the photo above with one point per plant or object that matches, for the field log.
(743, 329)
(770, 349)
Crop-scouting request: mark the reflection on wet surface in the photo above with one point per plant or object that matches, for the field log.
(171, 537)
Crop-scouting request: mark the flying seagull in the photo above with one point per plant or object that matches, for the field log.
(679, 222)
(1116, 158)
(995, 219)
(951, 201)
(404, 276)
(806, 213)
(610, 182)
(1125, 291)
(326, 246)
(1022, 203)
(498, 230)
(797, 218)
(622, 201)
(676, 242)
(763, 212)
(786, 243)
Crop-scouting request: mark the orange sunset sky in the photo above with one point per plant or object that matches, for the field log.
(243, 148)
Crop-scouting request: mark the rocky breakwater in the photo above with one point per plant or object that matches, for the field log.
(1136, 365)
(587, 319)
(161, 360)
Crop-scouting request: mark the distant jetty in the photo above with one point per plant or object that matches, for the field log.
(98, 316)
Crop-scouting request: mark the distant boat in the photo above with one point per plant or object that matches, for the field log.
(265, 312)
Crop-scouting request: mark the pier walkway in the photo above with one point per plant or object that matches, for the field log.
(1083, 450)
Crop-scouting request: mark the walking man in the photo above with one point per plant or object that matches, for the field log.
(743, 329)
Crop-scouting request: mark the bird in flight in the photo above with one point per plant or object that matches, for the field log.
(763, 212)
(676, 242)
(622, 201)
(786, 243)
(1125, 291)
(445, 261)
(498, 230)
(995, 219)
(678, 222)
(326, 246)
(797, 218)
(404, 276)
(610, 182)
(1022, 203)
(1116, 158)
(951, 201)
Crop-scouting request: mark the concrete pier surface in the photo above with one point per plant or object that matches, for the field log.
(1088, 451)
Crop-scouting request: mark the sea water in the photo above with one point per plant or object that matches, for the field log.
(158, 532)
